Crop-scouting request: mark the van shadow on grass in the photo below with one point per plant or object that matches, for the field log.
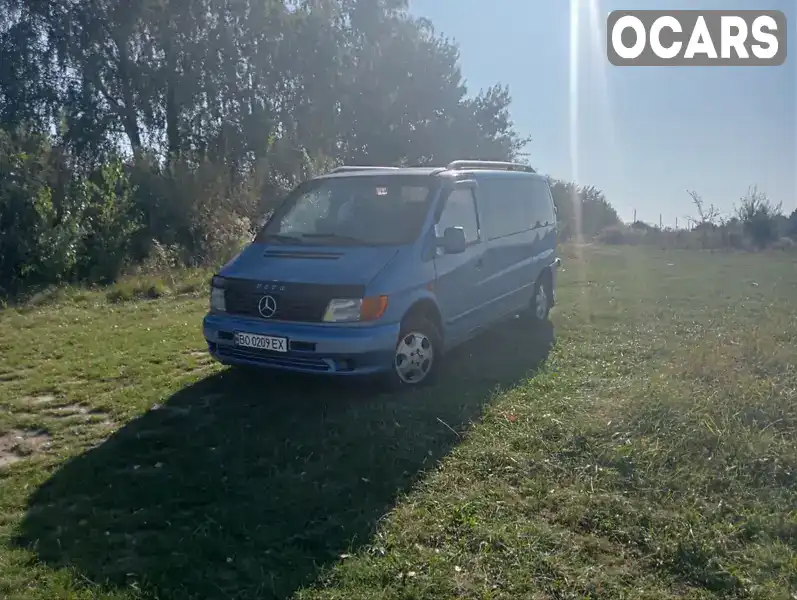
(250, 485)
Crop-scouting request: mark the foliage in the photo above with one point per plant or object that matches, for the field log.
(757, 224)
(582, 211)
(791, 225)
(109, 221)
(181, 122)
(708, 216)
(720, 237)
(758, 215)
(620, 234)
(57, 224)
(39, 229)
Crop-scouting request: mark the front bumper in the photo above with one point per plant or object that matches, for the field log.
(312, 348)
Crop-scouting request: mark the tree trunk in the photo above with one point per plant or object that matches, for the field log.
(172, 107)
(129, 117)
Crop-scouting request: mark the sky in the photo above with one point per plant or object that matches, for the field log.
(643, 135)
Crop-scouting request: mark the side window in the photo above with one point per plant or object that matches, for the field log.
(506, 206)
(513, 217)
(460, 211)
(525, 189)
(543, 203)
(535, 203)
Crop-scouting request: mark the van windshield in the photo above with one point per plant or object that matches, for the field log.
(358, 210)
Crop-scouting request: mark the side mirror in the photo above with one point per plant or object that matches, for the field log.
(454, 241)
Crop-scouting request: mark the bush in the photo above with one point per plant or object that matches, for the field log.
(785, 244)
(144, 285)
(715, 238)
(758, 216)
(758, 224)
(39, 231)
(137, 288)
(621, 235)
(110, 220)
(206, 210)
(791, 225)
(56, 223)
(60, 224)
(581, 211)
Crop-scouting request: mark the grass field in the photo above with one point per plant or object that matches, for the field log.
(649, 452)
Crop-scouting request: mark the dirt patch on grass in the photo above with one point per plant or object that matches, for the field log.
(75, 381)
(17, 444)
(200, 368)
(69, 410)
(76, 412)
(11, 376)
(39, 400)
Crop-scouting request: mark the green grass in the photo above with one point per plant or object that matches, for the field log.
(652, 455)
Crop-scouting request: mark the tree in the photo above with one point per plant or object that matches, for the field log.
(791, 227)
(707, 216)
(39, 240)
(757, 214)
(211, 105)
(582, 211)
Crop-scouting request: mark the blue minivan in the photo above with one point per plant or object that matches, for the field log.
(382, 270)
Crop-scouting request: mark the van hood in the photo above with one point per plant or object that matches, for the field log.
(310, 264)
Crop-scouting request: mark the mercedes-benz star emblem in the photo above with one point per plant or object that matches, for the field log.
(267, 307)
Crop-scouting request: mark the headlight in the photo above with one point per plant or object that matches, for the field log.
(341, 309)
(346, 310)
(217, 303)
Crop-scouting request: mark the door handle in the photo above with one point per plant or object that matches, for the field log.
(479, 263)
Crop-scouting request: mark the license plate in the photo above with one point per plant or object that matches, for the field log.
(261, 342)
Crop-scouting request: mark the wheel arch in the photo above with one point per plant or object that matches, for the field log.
(427, 308)
(546, 276)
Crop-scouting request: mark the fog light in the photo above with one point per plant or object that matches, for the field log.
(345, 365)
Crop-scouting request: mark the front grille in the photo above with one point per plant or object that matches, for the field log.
(273, 359)
(289, 308)
(296, 302)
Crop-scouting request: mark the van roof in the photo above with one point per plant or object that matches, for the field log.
(452, 170)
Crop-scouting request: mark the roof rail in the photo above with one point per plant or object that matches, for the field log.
(346, 168)
(460, 165)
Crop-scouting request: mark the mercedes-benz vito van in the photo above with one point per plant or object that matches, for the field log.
(380, 270)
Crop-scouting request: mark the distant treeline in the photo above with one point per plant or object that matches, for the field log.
(756, 223)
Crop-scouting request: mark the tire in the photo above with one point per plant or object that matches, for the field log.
(419, 342)
(540, 309)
